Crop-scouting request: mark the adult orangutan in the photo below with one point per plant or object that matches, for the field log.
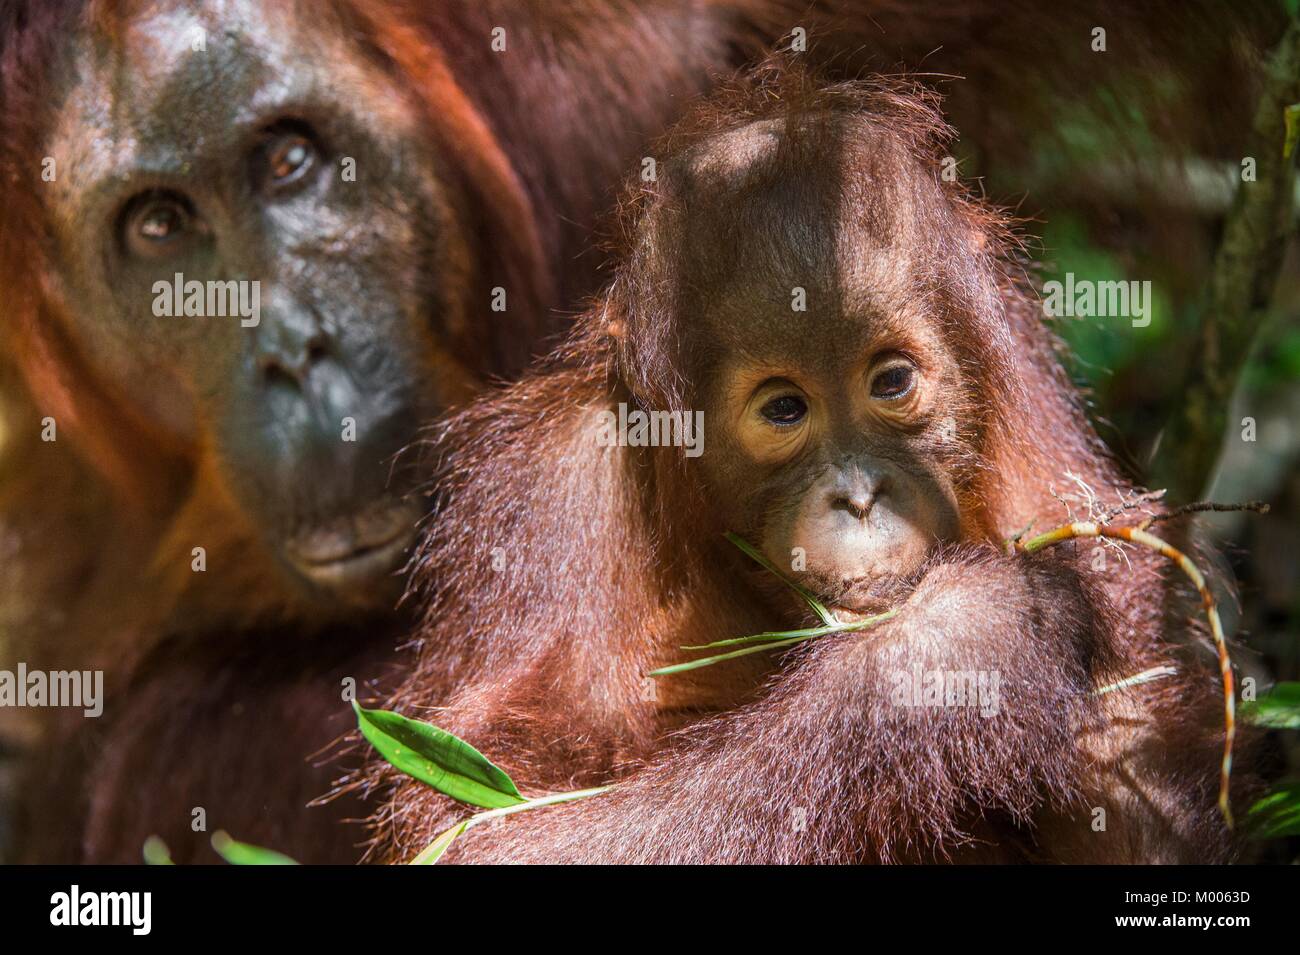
(200, 500)
(400, 193)
(882, 409)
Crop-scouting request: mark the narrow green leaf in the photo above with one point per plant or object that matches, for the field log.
(767, 637)
(1276, 814)
(241, 853)
(1279, 708)
(776, 636)
(434, 850)
(818, 607)
(709, 661)
(772, 641)
(438, 758)
(156, 852)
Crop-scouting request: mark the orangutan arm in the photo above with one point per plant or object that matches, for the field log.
(832, 766)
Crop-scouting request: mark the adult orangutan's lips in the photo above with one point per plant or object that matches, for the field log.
(355, 548)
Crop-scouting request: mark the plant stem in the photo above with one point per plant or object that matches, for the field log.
(1137, 535)
(1137, 679)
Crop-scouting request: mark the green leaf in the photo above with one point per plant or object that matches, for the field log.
(436, 757)
(156, 852)
(818, 607)
(1277, 709)
(709, 661)
(781, 636)
(241, 853)
(434, 850)
(768, 637)
(1277, 814)
(771, 641)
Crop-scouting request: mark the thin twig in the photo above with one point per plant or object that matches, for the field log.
(1137, 535)
(1137, 500)
(1259, 507)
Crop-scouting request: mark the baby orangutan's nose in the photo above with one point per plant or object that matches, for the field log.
(856, 493)
(859, 505)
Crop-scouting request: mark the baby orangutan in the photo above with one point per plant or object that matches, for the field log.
(882, 410)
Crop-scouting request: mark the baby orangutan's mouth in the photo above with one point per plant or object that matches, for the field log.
(855, 600)
(845, 615)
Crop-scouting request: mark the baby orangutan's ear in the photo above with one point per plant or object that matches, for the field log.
(615, 329)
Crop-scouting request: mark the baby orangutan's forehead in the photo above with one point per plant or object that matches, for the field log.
(787, 250)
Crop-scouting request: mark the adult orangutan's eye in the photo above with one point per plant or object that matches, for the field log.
(157, 224)
(285, 158)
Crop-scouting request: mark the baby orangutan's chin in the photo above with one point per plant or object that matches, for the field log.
(853, 600)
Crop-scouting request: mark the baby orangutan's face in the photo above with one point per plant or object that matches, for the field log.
(833, 476)
(833, 403)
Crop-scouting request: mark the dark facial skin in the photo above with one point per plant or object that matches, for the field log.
(830, 430)
(228, 164)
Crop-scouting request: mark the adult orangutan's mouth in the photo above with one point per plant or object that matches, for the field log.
(355, 549)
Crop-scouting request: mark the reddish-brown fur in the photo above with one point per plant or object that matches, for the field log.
(607, 560)
(220, 714)
(218, 694)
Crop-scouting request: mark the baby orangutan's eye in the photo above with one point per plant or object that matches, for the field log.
(785, 410)
(893, 382)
